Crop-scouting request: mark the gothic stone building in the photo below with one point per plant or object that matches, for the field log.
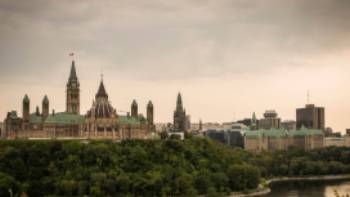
(101, 121)
(180, 118)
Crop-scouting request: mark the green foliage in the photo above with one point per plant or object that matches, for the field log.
(243, 176)
(164, 135)
(168, 167)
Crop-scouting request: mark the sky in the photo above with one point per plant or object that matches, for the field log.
(228, 58)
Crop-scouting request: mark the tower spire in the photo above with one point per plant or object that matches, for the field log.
(101, 91)
(101, 74)
(73, 91)
(179, 102)
(73, 73)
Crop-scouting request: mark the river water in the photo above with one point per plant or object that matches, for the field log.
(309, 188)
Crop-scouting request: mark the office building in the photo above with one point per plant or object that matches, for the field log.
(311, 117)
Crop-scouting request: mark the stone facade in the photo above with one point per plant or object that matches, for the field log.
(100, 122)
(271, 140)
(73, 92)
(343, 141)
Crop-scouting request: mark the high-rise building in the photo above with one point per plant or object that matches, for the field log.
(347, 132)
(311, 117)
(180, 118)
(73, 92)
(270, 120)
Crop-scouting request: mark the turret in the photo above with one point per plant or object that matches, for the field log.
(73, 92)
(179, 115)
(26, 108)
(37, 111)
(45, 107)
(150, 113)
(134, 109)
(254, 122)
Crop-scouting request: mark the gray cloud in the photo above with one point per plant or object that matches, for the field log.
(170, 39)
(255, 55)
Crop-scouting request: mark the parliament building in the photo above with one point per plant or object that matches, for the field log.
(100, 122)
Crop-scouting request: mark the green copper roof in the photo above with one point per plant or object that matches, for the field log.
(282, 133)
(305, 132)
(254, 118)
(34, 118)
(26, 99)
(128, 120)
(64, 118)
(270, 133)
(253, 133)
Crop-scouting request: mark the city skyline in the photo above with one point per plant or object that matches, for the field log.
(74, 74)
(227, 59)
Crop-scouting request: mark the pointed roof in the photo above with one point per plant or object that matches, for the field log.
(101, 91)
(26, 99)
(179, 106)
(73, 73)
(179, 99)
(254, 118)
(134, 103)
(37, 111)
(45, 100)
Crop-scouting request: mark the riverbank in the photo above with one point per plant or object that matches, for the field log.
(264, 188)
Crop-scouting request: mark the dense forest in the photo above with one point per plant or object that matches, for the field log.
(151, 168)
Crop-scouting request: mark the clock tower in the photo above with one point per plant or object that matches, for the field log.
(73, 92)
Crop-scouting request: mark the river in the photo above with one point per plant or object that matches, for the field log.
(309, 188)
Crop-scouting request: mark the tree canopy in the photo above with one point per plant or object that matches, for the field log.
(151, 168)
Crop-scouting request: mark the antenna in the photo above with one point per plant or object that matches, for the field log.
(101, 74)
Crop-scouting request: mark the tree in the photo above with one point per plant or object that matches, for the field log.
(164, 135)
(242, 177)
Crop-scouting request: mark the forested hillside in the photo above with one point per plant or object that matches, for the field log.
(151, 168)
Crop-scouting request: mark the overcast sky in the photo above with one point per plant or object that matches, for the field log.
(229, 58)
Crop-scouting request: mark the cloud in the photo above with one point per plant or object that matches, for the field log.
(171, 39)
(224, 55)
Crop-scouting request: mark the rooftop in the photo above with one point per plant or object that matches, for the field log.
(64, 118)
(281, 133)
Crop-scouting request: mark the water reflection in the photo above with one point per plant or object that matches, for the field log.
(309, 188)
